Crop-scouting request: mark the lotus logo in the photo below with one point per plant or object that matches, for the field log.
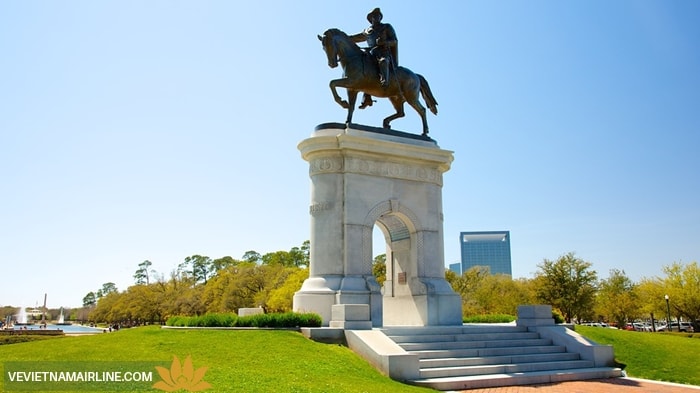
(181, 376)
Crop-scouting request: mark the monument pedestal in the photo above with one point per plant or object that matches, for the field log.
(362, 177)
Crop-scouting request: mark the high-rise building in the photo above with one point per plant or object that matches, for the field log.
(491, 248)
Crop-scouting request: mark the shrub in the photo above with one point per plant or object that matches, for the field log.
(558, 318)
(285, 320)
(489, 318)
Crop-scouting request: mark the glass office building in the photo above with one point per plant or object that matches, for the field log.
(490, 249)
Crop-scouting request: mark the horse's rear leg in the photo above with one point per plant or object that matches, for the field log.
(352, 98)
(398, 105)
(415, 104)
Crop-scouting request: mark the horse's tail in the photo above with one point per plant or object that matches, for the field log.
(427, 94)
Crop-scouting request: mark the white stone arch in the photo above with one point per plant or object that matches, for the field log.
(360, 178)
(398, 223)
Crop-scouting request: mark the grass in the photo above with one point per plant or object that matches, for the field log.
(670, 357)
(285, 361)
(237, 361)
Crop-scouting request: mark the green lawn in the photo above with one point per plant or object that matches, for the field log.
(671, 357)
(285, 361)
(237, 361)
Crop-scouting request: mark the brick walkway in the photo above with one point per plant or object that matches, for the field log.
(616, 385)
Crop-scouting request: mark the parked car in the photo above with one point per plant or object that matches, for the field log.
(685, 327)
(642, 327)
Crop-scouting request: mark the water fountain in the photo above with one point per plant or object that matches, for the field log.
(21, 318)
(61, 319)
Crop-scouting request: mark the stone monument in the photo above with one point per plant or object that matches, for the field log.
(365, 176)
(362, 177)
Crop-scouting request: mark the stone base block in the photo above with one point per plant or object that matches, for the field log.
(350, 312)
(319, 303)
(350, 316)
(244, 312)
(543, 311)
(537, 315)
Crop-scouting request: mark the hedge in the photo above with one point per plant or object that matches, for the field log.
(285, 320)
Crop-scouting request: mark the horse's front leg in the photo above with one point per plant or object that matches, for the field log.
(335, 83)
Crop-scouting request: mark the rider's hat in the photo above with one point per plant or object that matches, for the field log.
(377, 12)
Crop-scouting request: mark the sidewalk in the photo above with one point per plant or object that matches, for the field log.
(617, 385)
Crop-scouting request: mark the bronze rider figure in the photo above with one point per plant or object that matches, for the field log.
(383, 46)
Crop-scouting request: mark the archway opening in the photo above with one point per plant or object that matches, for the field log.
(379, 258)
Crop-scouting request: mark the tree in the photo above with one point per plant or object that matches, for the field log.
(282, 258)
(202, 268)
(252, 256)
(682, 285)
(90, 299)
(280, 298)
(617, 298)
(107, 288)
(379, 268)
(197, 267)
(569, 285)
(306, 250)
(221, 263)
(142, 273)
(297, 257)
(500, 294)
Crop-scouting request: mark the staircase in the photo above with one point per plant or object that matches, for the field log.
(480, 356)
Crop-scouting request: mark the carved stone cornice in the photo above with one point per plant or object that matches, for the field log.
(371, 167)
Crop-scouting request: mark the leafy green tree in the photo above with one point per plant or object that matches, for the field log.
(233, 287)
(220, 263)
(682, 285)
(500, 294)
(297, 257)
(280, 298)
(617, 298)
(198, 268)
(90, 299)
(252, 256)
(379, 268)
(282, 258)
(306, 251)
(569, 285)
(202, 268)
(105, 310)
(107, 288)
(486, 293)
(142, 275)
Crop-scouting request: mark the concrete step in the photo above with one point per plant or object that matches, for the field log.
(492, 336)
(477, 361)
(445, 330)
(487, 352)
(513, 379)
(474, 344)
(503, 368)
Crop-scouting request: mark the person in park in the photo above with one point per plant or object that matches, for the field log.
(382, 46)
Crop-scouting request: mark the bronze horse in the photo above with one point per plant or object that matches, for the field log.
(361, 74)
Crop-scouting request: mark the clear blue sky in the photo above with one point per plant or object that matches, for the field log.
(134, 130)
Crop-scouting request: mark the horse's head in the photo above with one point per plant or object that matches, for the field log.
(330, 47)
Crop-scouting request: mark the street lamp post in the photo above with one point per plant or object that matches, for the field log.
(668, 313)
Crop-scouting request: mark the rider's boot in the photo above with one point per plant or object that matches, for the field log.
(384, 73)
(366, 101)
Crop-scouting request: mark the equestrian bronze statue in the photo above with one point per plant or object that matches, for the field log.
(375, 72)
